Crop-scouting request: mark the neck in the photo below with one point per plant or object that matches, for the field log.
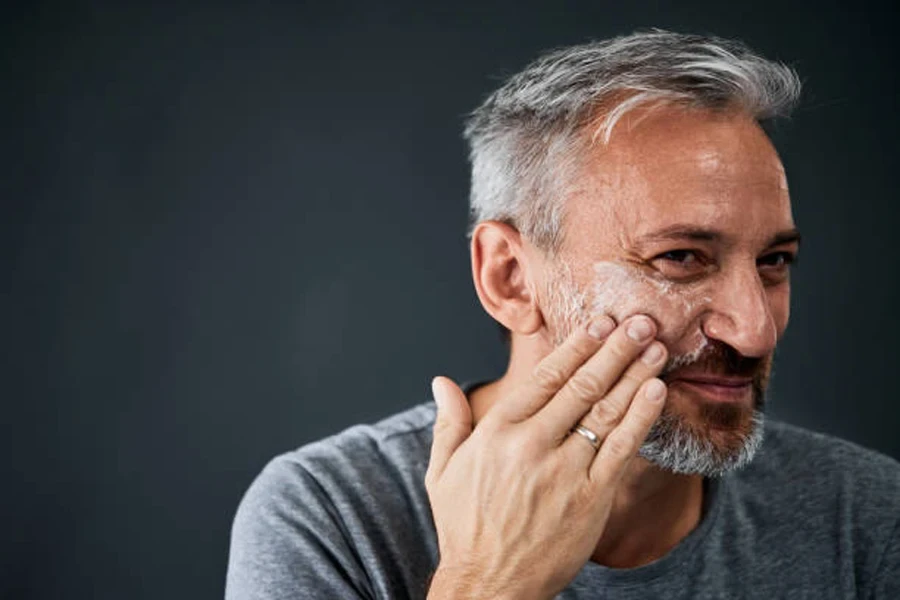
(653, 509)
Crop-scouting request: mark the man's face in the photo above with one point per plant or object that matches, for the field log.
(687, 218)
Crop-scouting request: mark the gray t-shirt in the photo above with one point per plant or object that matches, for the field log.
(347, 517)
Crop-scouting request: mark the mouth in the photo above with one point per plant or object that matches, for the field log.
(716, 388)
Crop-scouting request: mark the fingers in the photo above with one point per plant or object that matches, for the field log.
(452, 425)
(553, 372)
(596, 377)
(622, 444)
(606, 414)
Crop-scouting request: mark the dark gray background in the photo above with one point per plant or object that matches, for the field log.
(230, 231)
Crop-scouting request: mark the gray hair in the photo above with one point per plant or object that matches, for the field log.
(524, 137)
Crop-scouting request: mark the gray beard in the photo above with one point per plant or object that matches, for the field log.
(673, 445)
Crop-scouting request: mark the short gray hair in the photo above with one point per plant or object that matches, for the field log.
(524, 137)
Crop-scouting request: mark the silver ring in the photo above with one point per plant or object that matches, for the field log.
(592, 438)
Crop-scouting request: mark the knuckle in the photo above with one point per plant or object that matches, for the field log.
(621, 351)
(587, 493)
(620, 445)
(604, 413)
(637, 374)
(440, 425)
(631, 382)
(445, 427)
(584, 347)
(542, 433)
(586, 385)
(548, 377)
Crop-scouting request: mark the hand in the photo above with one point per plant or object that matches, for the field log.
(519, 504)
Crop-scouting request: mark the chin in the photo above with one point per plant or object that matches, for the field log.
(702, 435)
(726, 423)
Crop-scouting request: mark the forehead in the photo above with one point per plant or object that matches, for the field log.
(678, 167)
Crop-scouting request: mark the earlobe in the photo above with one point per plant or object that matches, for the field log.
(502, 277)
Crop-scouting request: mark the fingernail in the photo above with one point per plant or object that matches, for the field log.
(656, 390)
(653, 354)
(639, 329)
(434, 392)
(601, 327)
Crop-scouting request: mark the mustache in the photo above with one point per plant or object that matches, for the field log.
(718, 358)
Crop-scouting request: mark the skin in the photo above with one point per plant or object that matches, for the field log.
(687, 212)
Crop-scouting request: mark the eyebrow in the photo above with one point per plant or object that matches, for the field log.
(700, 234)
(789, 236)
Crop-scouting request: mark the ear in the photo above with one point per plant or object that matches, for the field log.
(502, 277)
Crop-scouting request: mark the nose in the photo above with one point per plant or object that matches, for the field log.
(740, 314)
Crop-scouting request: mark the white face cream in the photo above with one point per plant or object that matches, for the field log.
(621, 290)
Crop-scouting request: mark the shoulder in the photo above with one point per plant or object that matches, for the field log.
(357, 460)
(832, 495)
(401, 441)
(824, 461)
(335, 516)
(811, 469)
(820, 487)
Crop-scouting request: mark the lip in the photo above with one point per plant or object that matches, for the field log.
(717, 388)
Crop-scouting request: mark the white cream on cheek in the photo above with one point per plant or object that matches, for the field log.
(621, 290)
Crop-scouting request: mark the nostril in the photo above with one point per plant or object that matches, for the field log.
(750, 335)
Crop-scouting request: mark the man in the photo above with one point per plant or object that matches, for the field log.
(633, 234)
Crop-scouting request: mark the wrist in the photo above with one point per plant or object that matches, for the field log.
(459, 583)
(450, 584)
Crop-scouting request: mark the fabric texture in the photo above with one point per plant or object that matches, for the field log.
(348, 518)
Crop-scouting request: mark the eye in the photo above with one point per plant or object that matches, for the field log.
(684, 258)
(777, 260)
(682, 264)
(775, 268)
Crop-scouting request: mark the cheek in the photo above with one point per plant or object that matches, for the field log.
(621, 292)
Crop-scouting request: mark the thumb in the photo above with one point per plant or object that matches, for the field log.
(452, 425)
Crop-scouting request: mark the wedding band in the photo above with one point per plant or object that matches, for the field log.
(589, 435)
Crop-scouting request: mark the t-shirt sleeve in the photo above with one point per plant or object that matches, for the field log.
(287, 541)
(887, 577)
